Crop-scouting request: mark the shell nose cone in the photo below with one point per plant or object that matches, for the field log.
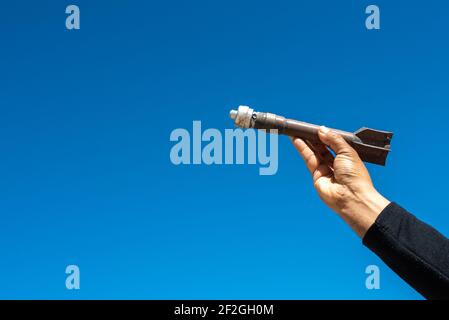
(233, 114)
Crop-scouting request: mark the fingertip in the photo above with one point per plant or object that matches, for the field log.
(323, 134)
(294, 140)
(299, 144)
(323, 130)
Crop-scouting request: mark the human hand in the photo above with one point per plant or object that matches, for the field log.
(343, 182)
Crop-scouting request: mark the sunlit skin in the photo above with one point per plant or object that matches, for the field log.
(342, 182)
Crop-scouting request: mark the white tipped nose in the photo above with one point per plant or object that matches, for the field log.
(233, 114)
(242, 117)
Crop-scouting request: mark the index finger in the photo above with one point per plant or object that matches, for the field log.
(307, 154)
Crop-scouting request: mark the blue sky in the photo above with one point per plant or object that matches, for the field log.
(85, 121)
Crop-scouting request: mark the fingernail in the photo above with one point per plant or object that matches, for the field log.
(324, 129)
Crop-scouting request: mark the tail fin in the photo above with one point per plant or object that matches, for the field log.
(375, 137)
(373, 146)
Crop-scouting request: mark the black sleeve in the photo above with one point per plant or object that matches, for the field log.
(414, 250)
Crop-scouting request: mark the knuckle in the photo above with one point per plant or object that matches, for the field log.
(310, 161)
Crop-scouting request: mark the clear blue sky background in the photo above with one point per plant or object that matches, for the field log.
(85, 119)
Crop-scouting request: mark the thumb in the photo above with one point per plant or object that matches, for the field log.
(335, 141)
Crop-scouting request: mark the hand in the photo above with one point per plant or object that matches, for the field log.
(343, 182)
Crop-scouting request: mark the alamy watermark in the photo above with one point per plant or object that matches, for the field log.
(209, 147)
(72, 282)
(72, 22)
(372, 282)
(372, 22)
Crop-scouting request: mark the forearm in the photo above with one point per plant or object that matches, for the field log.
(414, 250)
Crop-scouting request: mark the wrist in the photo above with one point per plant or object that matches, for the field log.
(363, 209)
